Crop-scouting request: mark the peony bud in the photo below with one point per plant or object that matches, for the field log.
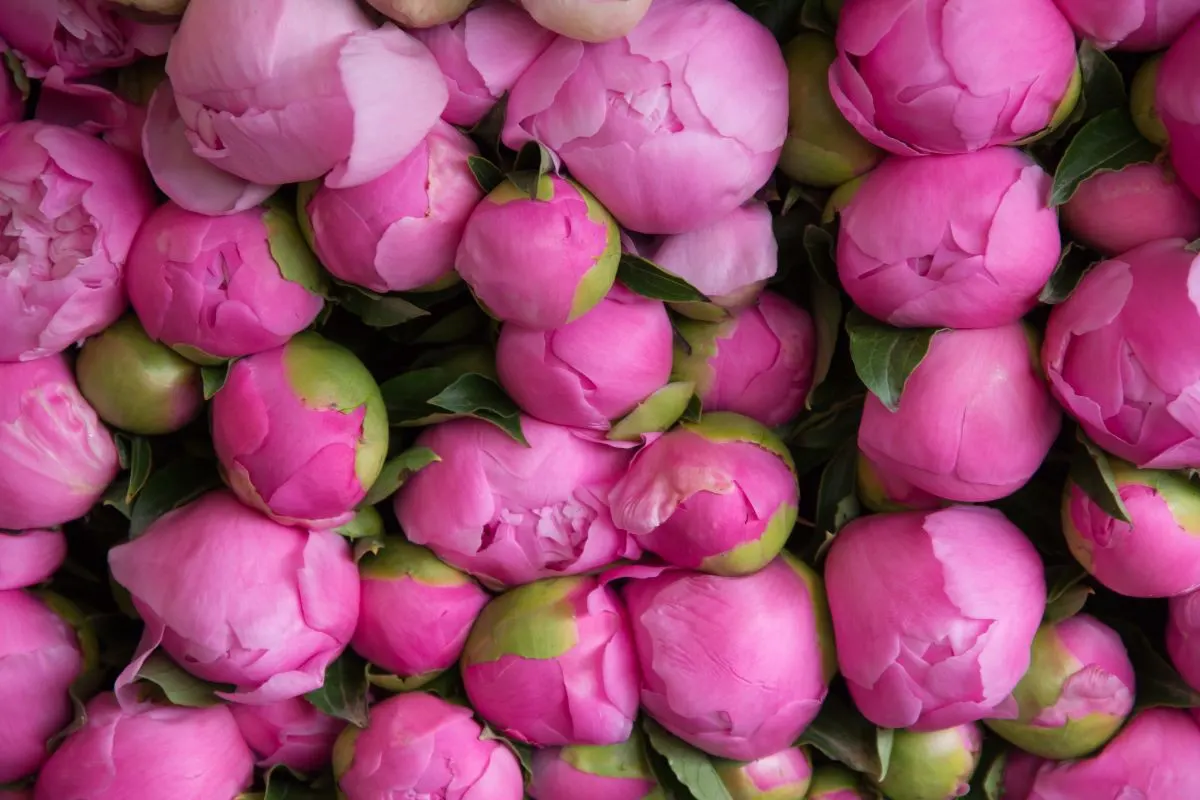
(1138, 25)
(56, 459)
(1143, 103)
(912, 87)
(662, 160)
(822, 148)
(963, 241)
(301, 431)
(237, 598)
(1177, 98)
(880, 491)
(30, 557)
(595, 772)
(510, 514)
(1158, 555)
(1134, 314)
(137, 384)
(593, 370)
(421, 13)
(418, 745)
(1077, 693)
(735, 666)
(759, 363)
(399, 232)
(539, 262)
(415, 612)
(1183, 636)
(148, 753)
(69, 208)
(290, 732)
(934, 613)
(569, 638)
(588, 20)
(974, 422)
(1113, 212)
(936, 765)
(781, 776)
(835, 782)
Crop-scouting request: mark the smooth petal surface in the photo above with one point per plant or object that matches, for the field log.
(1177, 99)
(1138, 25)
(1114, 212)
(30, 557)
(291, 732)
(735, 252)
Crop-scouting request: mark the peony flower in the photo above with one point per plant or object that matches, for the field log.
(1183, 636)
(1139, 25)
(1177, 100)
(594, 772)
(933, 765)
(291, 732)
(1113, 212)
(780, 776)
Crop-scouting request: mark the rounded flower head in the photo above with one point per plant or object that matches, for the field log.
(934, 765)
(759, 363)
(237, 598)
(482, 53)
(149, 752)
(30, 557)
(415, 611)
(588, 20)
(1177, 98)
(835, 782)
(418, 745)
(963, 241)
(934, 614)
(739, 666)
(400, 231)
(1140, 25)
(301, 431)
(1157, 554)
(70, 206)
(1135, 315)
(569, 638)
(421, 13)
(594, 772)
(539, 261)
(510, 514)
(780, 776)
(974, 422)
(934, 76)
(1077, 693)
(290, 732)
(593, 370)
(1183, 636)
(659, 123)
(56, 458)
(40, 657)
(1113, 212)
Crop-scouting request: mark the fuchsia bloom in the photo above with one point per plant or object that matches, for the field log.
(291, 732)
(401, 231)
(1119, 357)
(934, 614)
(934, 76)
(932, 765)
(552, 663)
(1183, 636)
(56, 458)
(418, 745)
(590, 772)
(1130, 24)
(236, 598)
(658, 124)
(482, 53)
(780, 776)
(1177, 99)
(70, 206)
(963, 241)
(148, 753)
(735, 666)
(511, 514)
(588, 20)
(1117, 211)
(40, 657)
(30, 557)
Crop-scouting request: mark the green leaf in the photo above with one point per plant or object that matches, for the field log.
(656, 413)
(1069, 604)
(344, 692)
(1103, 85)
(1108, 143)
(650, 280)
(369, 545)
(398, 470)
(124, 443)
(1159, 685)
(176, 685)
(213, 378)
(884, 739)
(1075, 262)
(533, 161)
(367, 522)
(140, 461)
(481, 397)
(487, 174)
(377, 310)
(1091, 472)
(1193, 247)
(845, 735)
(821, 249)
(693, 768)
(175, 485)
(884, 356)
(812, 15)
(837, 493)
(826, 303)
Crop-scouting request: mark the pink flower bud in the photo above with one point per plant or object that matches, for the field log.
(974, 422)
(510, 514)
(237, 598)
(69, 208)
(735, 666)
(1139, 25)
(569, 638)
(415, 612)
(220, 287)
(963, 241)
(290, 732)
(337, 93)
(1133, 313)
(593, 370)
(56, 459)
(780, 776)
(482, 53)
(594, 772)
(587, 20)
(148, 753)
(719, 495)
(934, 614)
(421, 13)
(835, 782)
(1177, 98)
(1117, 211)
(301, 431)
(930, 77)
(30, 557)
(1183, 636)
(418, 745)
(539, 262)
(671, 140)
(932, 765)
(759, 363)
(40, 657)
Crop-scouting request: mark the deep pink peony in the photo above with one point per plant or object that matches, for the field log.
(1117, 211)
(1139, 25)
(291, 732)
